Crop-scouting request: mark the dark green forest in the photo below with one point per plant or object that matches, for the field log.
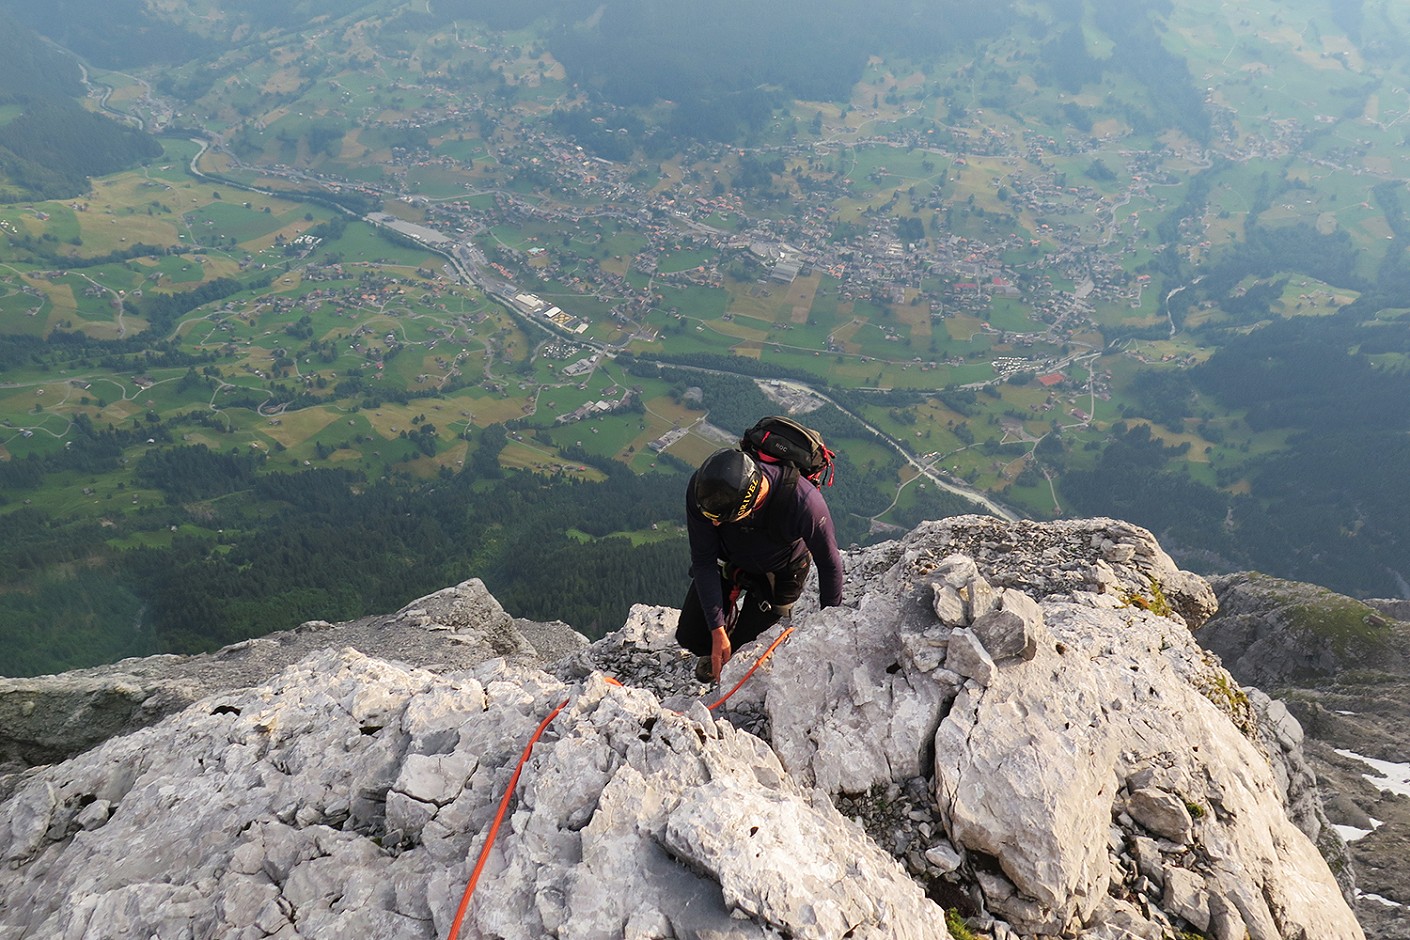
(322, 544)
(52, 149)
(54, 146)
(727, 64)
(339, 550)
(1330, 509)
(109, 33)
(328, 544)
(30, 67)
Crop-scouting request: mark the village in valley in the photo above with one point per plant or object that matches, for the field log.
(983, 281)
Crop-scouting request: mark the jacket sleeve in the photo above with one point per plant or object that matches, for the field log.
(704, 561)
(822, 545)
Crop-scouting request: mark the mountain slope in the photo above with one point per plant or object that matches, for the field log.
(51, 145)
(1026, 730)
(1343, 668)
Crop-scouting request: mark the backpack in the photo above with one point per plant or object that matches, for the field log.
(777, 439)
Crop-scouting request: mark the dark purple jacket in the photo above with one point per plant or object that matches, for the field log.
(803, 522)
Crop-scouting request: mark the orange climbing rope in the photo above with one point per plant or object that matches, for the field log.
(524, 759)
(498, 818)
(757, 663)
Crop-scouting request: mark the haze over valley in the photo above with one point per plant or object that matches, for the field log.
(307, 309)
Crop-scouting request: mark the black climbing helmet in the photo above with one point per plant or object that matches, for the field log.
(727, 485)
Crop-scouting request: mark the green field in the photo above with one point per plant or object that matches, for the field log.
(826, 241)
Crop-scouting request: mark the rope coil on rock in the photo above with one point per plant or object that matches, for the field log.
(524, 759)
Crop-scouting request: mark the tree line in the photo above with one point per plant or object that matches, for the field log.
(1328, 508)
(51, 150)
(276, 548)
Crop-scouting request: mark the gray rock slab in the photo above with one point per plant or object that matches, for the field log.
(1164, 814)
(349, 795)
(49, 718)
(968, 656)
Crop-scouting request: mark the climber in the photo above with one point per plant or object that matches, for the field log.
(753, 526)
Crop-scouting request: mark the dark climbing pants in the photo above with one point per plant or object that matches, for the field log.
(763, 601)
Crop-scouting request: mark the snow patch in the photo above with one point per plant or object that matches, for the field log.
(1350, 833)
(1394, 777)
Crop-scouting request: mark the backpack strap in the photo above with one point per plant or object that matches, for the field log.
(777, 507)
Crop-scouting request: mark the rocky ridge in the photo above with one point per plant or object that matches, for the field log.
(1342, 666)
(50, 718)
(1012, 721)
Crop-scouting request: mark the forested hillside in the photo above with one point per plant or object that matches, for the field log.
(50, 145)
(54, 146)
(323, 545)
(1326, 507)
(110, 33)
(413, 293)
(30, 67)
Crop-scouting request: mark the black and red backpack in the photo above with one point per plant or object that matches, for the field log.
(777, 439)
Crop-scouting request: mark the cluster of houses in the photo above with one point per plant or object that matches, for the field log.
(535, 306)
(602, 406)
(1063, 260)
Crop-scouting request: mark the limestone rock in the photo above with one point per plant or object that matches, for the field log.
(1161, 813)
(276, 813)
(943, 857)
(950, 606)
(1185, 896)
(348, 795)
(956, 570)
(981, 597)
(1013, 627)
(853, 717)
(1225, 921)
(48, 718)
(1342, 666)
(1273, 633)
(1031, 765)
(925, 651)
(1042, 559)
(1115, 919)
(968, 657)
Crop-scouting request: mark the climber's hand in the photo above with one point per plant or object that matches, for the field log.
(720, 652)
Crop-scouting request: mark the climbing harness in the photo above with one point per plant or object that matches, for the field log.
(524, 759)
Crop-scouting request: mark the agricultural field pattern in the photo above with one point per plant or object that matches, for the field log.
(1145, 262)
